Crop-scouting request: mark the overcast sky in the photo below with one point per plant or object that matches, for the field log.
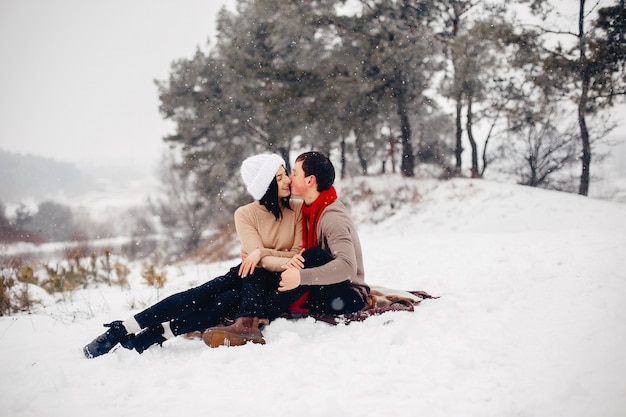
(77, 77)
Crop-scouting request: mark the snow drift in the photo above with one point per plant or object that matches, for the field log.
(530, 321)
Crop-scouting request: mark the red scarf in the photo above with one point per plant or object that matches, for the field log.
(311, 215)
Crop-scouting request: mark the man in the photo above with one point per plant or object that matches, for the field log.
(329, 276)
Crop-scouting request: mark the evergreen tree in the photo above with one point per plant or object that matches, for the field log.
(390, 60)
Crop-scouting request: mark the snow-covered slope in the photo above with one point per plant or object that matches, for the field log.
(530, 322)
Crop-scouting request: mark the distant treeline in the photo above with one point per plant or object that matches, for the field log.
(27, 176)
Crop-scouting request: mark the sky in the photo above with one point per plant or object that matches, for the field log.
(529, 322)
(77, 77)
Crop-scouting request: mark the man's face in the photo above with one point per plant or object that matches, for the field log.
(283, 180)
(298, 180)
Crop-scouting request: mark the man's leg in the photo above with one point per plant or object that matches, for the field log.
(282, 303)
(335, 299)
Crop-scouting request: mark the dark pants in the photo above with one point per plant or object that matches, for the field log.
(230, 296)
(261, 298)
(197, 308)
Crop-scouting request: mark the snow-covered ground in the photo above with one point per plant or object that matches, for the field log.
(530, 322)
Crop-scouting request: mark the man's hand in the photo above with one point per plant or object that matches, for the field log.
(290, 279)
(249, 263)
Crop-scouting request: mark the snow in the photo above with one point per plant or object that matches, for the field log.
(530, 322)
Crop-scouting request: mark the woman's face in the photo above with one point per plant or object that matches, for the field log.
(284, 183)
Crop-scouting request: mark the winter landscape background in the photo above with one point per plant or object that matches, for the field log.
(529, 322)
(529, 319)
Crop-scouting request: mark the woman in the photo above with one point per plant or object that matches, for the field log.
(270, 232)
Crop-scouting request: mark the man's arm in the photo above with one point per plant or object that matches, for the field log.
(335, 231)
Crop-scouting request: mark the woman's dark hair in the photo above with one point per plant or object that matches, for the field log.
(318, 164)
(270, 200)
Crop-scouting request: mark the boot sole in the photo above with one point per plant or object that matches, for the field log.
(217, 338)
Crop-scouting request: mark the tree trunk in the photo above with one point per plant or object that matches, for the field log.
(470, 136)
(458, 149)
(343, 158)
(489, 133)
(284, 152)
(360, 154)
(584, 138)
(532, 158)
(407, 166)
(582, 103)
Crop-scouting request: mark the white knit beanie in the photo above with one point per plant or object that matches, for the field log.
(258, 171)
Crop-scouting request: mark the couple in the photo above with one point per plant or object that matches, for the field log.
(298, 256)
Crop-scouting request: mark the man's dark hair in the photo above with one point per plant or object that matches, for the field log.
(270, 200)
(318, 164)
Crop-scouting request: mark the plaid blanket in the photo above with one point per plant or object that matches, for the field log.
(380, 300)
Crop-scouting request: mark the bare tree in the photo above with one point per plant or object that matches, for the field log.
(584, 65)
(182, 210)
(546, 148)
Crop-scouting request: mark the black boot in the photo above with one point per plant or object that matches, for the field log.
(142, 341)
(107, 340)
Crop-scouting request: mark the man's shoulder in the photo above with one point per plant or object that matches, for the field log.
(336, 210)
(337, 205)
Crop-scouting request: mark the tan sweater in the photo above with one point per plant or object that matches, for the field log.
(279, 240)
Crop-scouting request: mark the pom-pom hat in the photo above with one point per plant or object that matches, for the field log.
(258, 171)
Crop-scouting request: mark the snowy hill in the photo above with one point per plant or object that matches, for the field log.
(530, 322)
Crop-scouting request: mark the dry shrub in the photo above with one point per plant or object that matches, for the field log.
(14, 280)
(80, 269)
(152, 274)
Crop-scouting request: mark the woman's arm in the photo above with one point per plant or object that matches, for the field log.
(283, 239)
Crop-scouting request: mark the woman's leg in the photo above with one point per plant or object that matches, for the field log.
(186, 302)
(225, 305)
(176, 305)
(255, 290)
(252, 312)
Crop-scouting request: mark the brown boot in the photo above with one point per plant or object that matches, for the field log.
(244, 330)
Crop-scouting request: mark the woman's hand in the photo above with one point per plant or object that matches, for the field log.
(249, 263)
(297, 261)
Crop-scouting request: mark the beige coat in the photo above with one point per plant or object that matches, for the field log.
(278, 240)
